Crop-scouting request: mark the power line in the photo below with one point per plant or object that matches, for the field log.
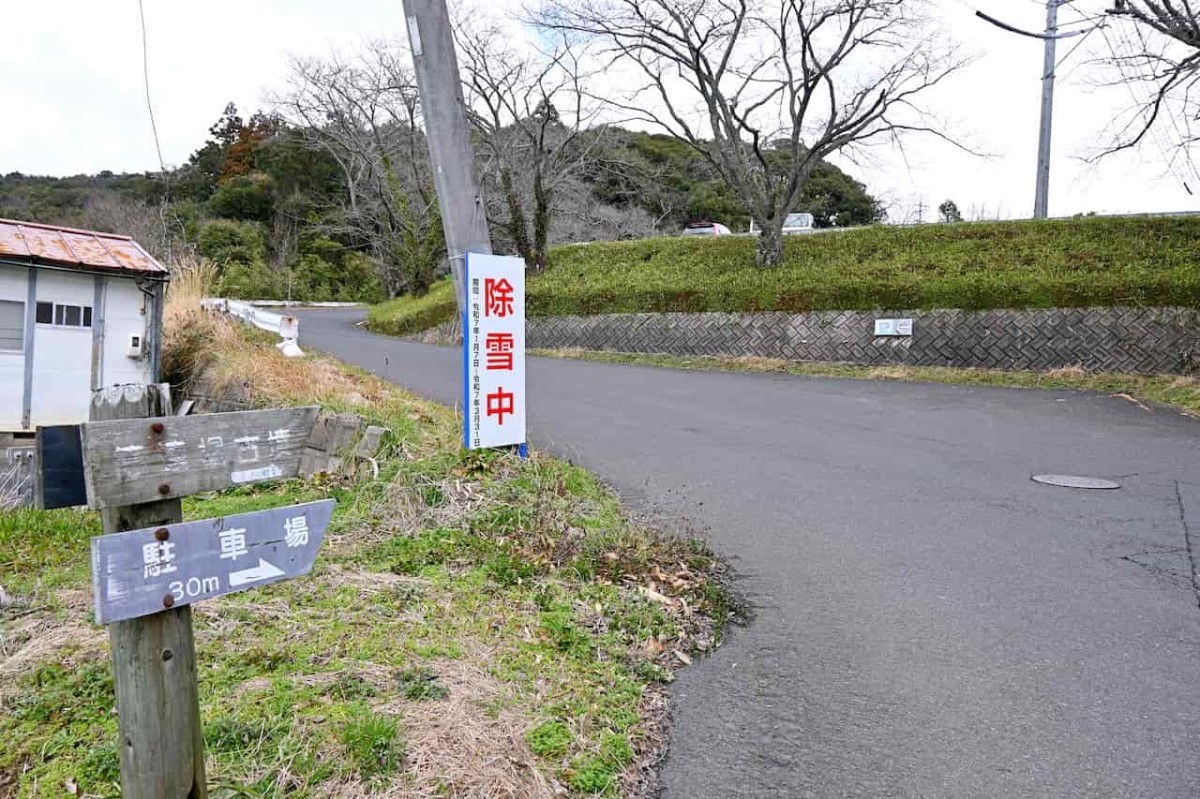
(166, 198)
(146, 83)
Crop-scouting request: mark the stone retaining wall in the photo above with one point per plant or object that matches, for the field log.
(1143, 340)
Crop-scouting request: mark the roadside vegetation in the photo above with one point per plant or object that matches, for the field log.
(1092, 261)
(476, 624)
(1173, 391)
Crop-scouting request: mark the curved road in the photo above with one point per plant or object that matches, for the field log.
(929, 622)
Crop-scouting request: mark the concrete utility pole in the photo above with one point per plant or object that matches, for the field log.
(1041, 202)
(449, 135)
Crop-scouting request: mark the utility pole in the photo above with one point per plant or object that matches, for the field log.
(1041, 202)
(449, 135)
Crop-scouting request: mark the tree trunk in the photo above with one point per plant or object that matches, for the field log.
(769, 248)
(517, 225)
(541, 223)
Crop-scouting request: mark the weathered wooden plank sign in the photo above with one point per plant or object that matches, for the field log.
(140, 572)
(142, 460)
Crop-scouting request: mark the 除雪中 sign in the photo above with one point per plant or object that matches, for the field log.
(494, 351)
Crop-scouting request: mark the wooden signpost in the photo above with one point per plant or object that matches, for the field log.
(149, 565)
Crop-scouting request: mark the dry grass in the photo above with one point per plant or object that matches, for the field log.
(470, 744)
(192, 280)
(40, 637)
(1076, 372)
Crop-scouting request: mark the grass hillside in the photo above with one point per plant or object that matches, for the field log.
(1025, 264)
(476, 625)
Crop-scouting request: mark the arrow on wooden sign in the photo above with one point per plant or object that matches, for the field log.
(146, 571)
(263, 571)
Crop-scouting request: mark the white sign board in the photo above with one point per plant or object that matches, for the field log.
(893, 327)
(494, 351)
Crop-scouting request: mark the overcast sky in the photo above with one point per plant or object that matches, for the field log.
(74, 101)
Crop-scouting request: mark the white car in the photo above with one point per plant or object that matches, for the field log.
(797, 223)
(706, 229)
(792, 224)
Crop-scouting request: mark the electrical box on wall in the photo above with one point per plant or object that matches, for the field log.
(134, 350)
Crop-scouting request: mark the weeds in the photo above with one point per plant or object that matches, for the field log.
(373, 744)
(420, 683)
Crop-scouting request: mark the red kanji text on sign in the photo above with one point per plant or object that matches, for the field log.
(499, 348)
(497, 297)
(499, 403)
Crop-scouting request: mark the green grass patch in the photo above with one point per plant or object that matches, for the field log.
(373, 743)
(469, 583)
(1094, 261)
(407, 315)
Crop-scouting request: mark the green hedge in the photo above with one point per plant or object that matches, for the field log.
(407, 315)
(1091, 261)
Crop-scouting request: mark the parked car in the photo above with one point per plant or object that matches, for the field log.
(706, 229)
(797, 223)
(792, 224)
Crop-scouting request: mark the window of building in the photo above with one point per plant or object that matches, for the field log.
(12, 325)
(52, 313)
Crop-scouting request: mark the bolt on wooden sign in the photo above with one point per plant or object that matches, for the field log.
(494, 351)
(140, 572)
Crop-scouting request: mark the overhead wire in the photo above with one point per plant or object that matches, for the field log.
(162, 166)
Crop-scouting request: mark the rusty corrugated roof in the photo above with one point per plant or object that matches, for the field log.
(84, 249)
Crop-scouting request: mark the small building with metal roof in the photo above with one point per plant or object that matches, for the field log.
(79, 310)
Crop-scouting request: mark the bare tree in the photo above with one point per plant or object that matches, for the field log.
(529, 110)
(365, 113)
(159, 229)
(765, 89)
(1163, 55)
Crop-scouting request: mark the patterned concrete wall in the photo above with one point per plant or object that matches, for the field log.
(1145, 340)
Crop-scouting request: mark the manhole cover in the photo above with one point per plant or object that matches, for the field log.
(1075, 481)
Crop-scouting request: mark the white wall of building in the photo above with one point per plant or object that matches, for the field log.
(13, 286)
(62, 355)
(124, 315)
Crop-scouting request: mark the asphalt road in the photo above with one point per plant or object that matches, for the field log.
(929, 621)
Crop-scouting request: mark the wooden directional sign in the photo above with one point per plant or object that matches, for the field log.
(140, 572)
(143, 460)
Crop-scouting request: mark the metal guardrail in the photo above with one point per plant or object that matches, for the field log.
(286, 327)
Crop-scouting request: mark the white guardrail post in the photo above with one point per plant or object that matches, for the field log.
(286, 327)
